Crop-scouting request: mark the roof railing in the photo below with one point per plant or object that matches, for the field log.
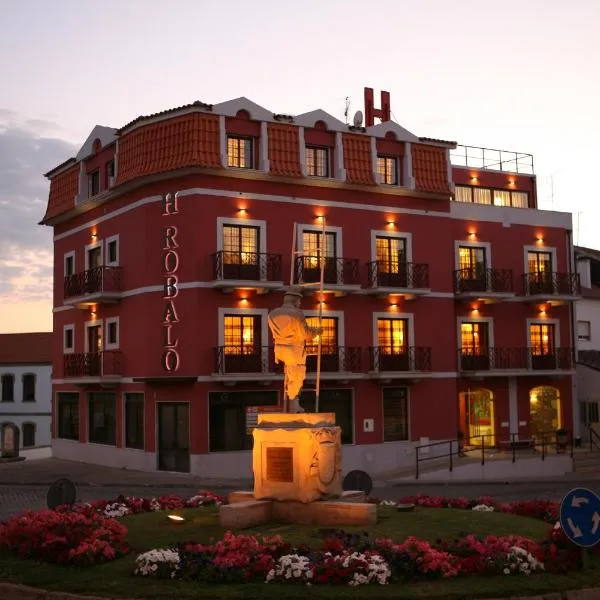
(494, 160)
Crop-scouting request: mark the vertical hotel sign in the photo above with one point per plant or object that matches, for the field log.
(170, 267)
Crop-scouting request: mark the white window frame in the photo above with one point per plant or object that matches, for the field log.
(107, 323)
(410, 317)
(377, 233)
(95, 323)
(555, 322)
(587, 338)
(240, 222)
(66, 256)
(538, 248)
(488, 320)
(92, 246)
(464, 243)
(107, 241)
(246, 312)
(318, 228)
(397, 164)
(332, 314)
(70, 327)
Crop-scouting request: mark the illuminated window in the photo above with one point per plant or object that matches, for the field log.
(539, 263)
(391, 254)
(471, 261)
(482, 196)
(462, 193)
(392, 336)
(240, 245)
(474, 338)
(329, 336)
(541, 339)
(519, 199)
(241, 334)
(239, 152)
(387, 168)
(501, 198)
(317, 162)
(311, 244)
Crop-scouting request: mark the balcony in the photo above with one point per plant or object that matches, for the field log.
(334, 360)
(502, 361)
(488, 285)
(94, 286)
(245, 363)
(406, 279)
(246, 270)
(91, 366)
(555, 288)
(494, 160)
(387, 362)
(340, 275)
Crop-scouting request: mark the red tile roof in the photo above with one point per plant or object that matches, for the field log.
(430, 168)
(170, 111)
(26, 348)
(284, 150)
(357, 159)
(189, 140)
(64, 188)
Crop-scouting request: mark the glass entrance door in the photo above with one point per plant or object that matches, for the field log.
(173, 437)
(479, 416)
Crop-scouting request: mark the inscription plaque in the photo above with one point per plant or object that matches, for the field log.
(280, 465)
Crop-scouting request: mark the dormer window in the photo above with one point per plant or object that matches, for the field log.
(239, 152)
(93, 183)
(317, 161)
(387, 169)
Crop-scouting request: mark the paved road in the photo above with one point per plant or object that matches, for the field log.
(17, 498)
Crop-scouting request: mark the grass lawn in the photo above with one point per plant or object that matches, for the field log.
(153, 530)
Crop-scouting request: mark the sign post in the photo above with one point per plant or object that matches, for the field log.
(579, 517)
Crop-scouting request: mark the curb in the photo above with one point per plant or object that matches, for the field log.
(11, 591)
(125, 484)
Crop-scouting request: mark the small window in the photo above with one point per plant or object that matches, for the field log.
(93, 183)
(482, 196)
(134, 421)
(112, 252)
(68, 415)
(28, 432)
(501, 198)
(520, 199)
(395, 414)
(28, 387)
(112, 333)
(463, 193)
(584, 331)
(239, 152)
(387, 168)
(68, 339)
(69, 265)
(317, 162)
(101, 413)
(8, 387)
(110, 173)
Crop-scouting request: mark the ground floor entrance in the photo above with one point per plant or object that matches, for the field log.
(173, 436)
(478, 424)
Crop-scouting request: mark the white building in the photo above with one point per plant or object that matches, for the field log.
(587, 312)
(26, 386)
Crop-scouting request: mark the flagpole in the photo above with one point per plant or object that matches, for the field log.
(321, 283)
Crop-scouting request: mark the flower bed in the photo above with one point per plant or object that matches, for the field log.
(87, 534)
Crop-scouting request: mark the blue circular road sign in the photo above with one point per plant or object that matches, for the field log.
(580, 517)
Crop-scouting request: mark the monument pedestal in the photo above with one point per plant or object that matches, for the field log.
(297, 476)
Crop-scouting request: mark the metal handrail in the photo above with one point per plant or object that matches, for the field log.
(548, 439)
(594, 438)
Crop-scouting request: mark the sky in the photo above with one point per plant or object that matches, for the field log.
(513, 75)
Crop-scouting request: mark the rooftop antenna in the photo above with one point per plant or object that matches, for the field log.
(347, 109)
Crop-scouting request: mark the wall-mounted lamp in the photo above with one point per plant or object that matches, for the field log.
(539, 239)
(472, 234)
(391, 223)
(320, 217)
(244, 300)
(93, 235)
(474, 178)
(242, 211)
(511, 182)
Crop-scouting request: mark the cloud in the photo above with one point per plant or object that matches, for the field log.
(28, 150)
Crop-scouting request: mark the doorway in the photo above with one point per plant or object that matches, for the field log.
(93, 358)
(544, 411)
(478, 418)
(173, 437)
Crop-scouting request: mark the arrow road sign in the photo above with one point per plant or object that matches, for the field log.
(580, 517)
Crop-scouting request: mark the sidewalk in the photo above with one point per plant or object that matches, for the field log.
(48, 470)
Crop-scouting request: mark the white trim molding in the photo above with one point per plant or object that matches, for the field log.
(409, 317)
(539, 248)
(107, 242)
(331, 314)
(376, 233)
(244, 312)
(93, 246)
(89, 325)
(555, 322)
(108, 322)
(67, 255)
(490, 332)
(70, 327)
(468, 244)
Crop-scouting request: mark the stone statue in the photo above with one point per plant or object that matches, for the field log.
(290, 334)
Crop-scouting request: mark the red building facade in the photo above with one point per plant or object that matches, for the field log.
(447, 305)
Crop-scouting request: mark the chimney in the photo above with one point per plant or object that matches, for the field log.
(371, 112)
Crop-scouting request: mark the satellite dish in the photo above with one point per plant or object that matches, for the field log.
(358, 118)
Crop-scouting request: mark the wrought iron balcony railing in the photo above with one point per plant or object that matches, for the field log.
(251, 266)
(408, 359)
(93, 281)
(245, 359)
(93, 364)
(551, 284)
(337, 271)
(498, 281)
(334, 359)
(401, 275)
(535, 359)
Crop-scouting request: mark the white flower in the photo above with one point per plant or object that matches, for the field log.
(483, 508)
(387, 503)
(155, 561)
(116, 510)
